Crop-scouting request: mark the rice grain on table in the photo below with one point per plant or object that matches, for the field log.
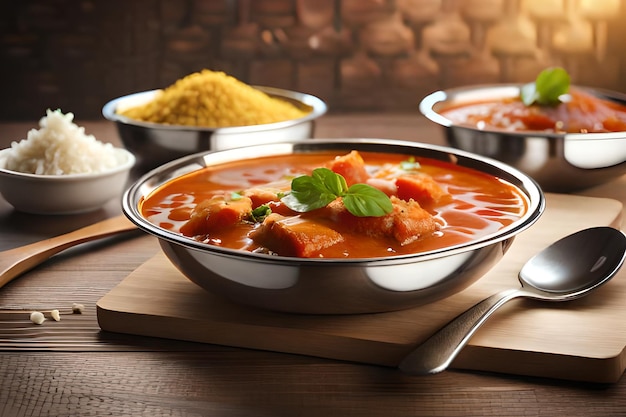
(60, 147)
(213, 99)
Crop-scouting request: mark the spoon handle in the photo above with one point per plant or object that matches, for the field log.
(437, 352)
(15, 262)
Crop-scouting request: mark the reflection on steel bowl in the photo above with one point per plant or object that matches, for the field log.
(559, 162)
(154, 144)
(333, 285)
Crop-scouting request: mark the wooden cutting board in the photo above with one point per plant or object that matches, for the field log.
(579, 340)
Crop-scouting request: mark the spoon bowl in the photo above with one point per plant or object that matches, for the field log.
(575, 265)
(568, 269)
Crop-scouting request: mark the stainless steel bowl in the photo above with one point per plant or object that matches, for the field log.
(558, 162)
(333, 286)
(154, 144)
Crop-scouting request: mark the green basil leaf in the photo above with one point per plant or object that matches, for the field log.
(330, 181)
(308, 193)
(363, 200)
(551, 84)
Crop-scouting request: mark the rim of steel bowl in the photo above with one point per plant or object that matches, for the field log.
(156, 177)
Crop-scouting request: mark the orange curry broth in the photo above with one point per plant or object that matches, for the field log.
(583, 113)
(480, 205)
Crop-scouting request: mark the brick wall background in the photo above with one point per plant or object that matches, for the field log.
(358, 55)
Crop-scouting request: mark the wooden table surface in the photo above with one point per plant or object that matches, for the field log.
(72, 368)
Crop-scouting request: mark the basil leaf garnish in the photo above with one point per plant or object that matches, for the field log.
(551, 84)
(363, 200)
(324, 186)
(313, 192)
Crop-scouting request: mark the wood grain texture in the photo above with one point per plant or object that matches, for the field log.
(579, 340)
(232, 382)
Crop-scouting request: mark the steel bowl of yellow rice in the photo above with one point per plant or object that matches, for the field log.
(209, 110)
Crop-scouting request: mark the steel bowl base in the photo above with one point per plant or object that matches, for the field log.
(342, 289)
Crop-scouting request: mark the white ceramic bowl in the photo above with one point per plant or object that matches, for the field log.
(64, 194)
(154, 144)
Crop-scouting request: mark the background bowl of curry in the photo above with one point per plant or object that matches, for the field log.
(154, 144)
(559, 162)
(333, 285)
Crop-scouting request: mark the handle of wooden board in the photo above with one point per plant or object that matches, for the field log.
(15, 262)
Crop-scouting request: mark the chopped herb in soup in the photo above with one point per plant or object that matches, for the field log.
(323, 205)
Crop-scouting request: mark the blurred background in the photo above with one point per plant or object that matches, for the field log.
(357, 55)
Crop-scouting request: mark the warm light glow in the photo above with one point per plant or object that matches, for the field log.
(599, 9)
(545, 9)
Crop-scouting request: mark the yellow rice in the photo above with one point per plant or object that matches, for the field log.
(213, 99)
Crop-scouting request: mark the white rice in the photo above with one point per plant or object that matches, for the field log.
(60, 147)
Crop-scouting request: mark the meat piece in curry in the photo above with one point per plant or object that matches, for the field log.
(216, 213)
(406, 223)
(350, 166)
(294, 236)
(420, 187)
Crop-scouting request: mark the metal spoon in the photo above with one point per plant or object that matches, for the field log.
(569, 268)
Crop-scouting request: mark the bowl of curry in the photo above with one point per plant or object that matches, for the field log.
(337, 226)
(571, 146)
